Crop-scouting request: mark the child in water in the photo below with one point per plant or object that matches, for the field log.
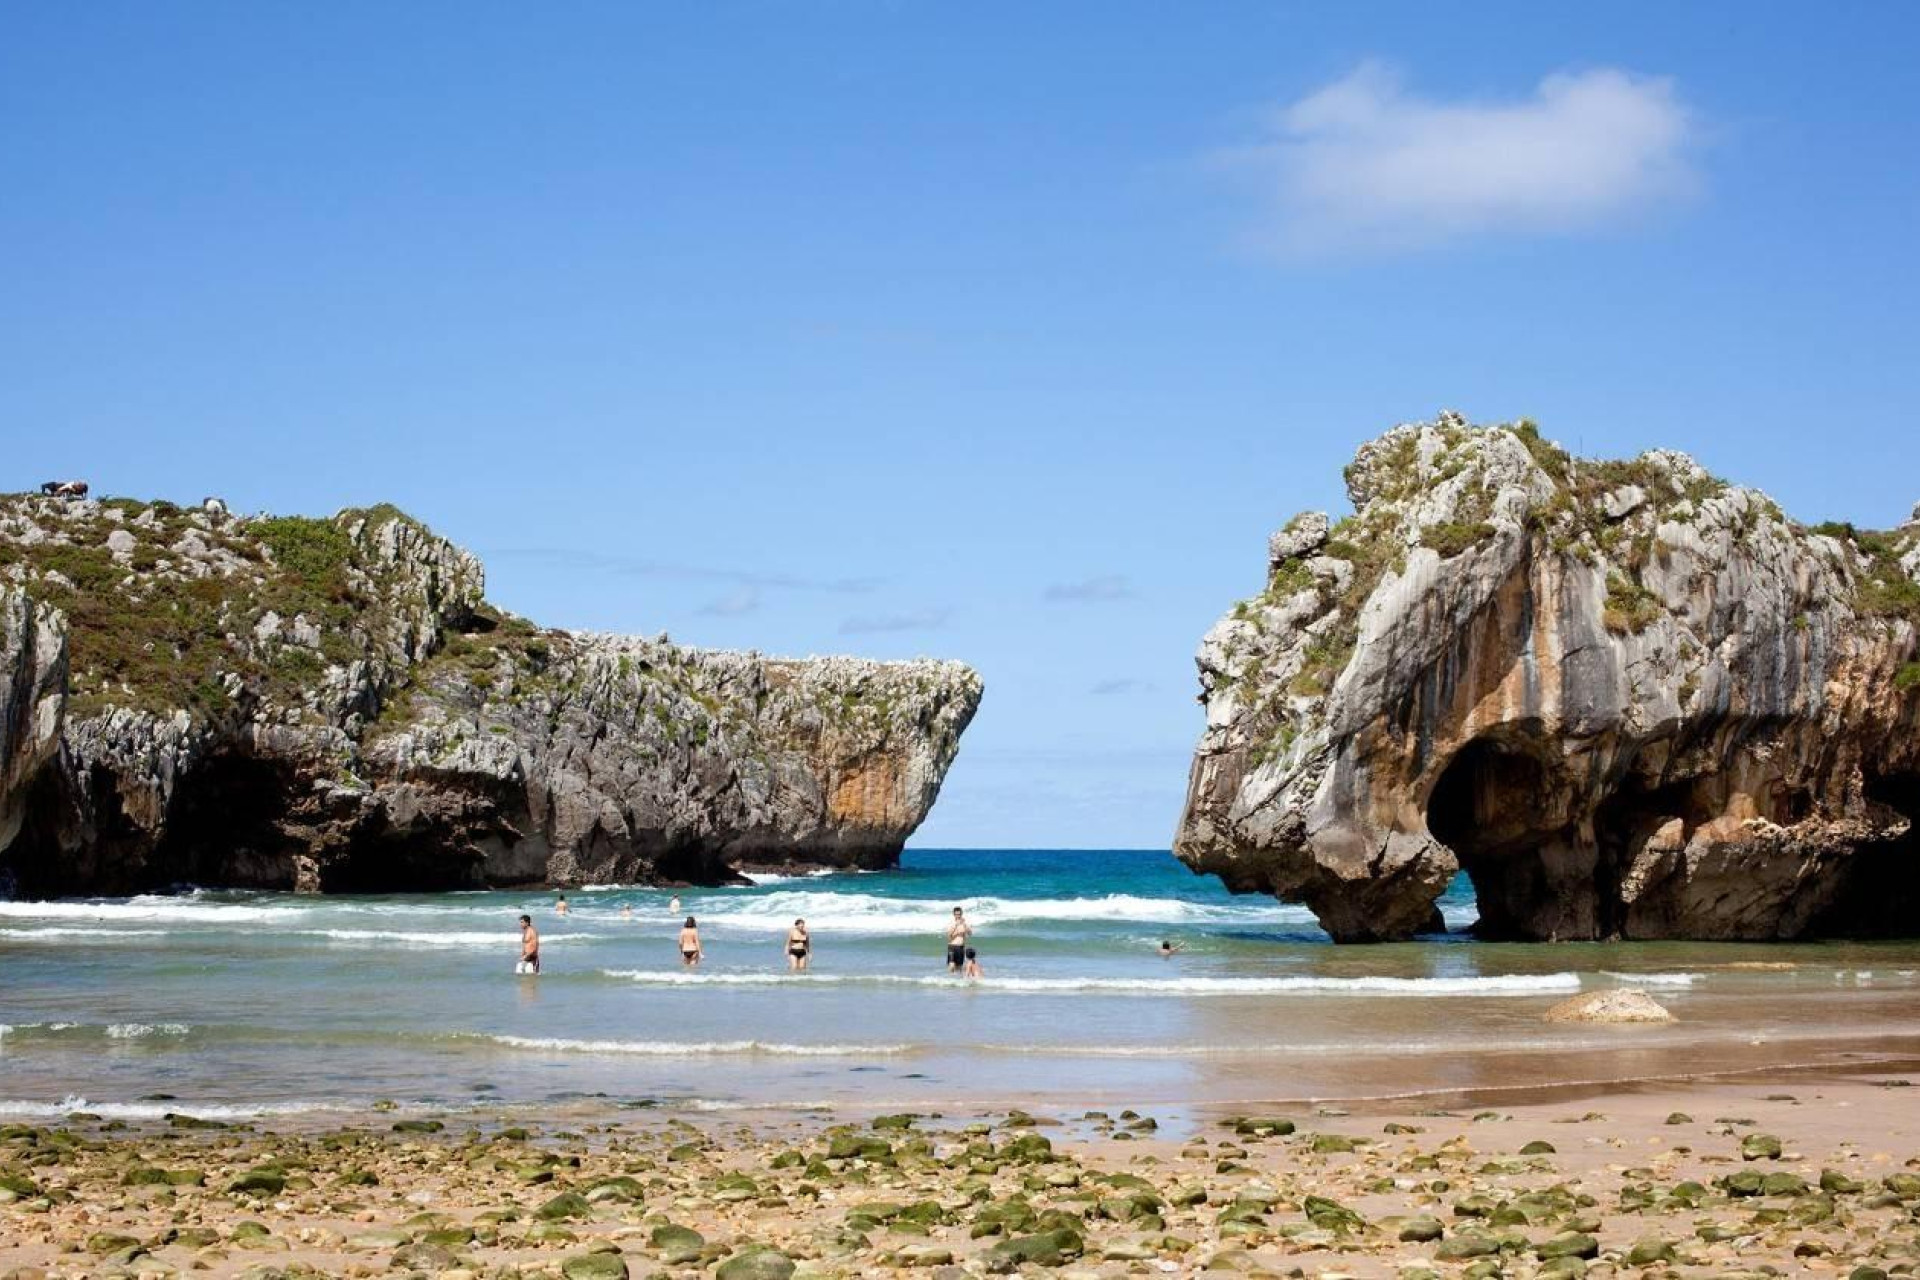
(973, 969)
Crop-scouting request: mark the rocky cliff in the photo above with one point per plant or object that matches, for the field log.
(1628, 698)
(331, 705)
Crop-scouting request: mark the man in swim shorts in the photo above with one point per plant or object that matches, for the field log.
(957, 934)
(529, 947)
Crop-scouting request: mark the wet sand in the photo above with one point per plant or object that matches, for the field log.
(1807, 1173)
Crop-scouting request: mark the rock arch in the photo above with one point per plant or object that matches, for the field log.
(1503, 808)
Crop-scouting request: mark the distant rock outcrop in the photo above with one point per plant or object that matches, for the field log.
(331, 705)
(1630, 699)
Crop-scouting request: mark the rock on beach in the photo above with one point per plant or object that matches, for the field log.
(1620, 1004)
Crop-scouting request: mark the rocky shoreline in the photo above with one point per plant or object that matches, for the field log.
(1627, 698)
(332, 705)
(1801, 1177)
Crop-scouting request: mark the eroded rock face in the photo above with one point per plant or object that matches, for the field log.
(1629, 699)
(331, 705)
(33, 673)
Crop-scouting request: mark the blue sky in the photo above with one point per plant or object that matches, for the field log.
(1002, 332)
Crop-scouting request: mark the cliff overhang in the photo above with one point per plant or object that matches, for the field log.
(188, 696)
(1628, 698)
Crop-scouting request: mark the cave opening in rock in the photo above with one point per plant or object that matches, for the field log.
(412, 863)
(226, 824)
(1496, 806)
(1881, 897)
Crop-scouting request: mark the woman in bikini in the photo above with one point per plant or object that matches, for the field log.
(690, 943)
(799, 947)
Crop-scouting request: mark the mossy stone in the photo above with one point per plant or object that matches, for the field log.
(594, 1266)
(270, 1182)
(1648, 1251)
(756, 1263)
(1573, 1244)
(1467, 1244)
(568, 1204)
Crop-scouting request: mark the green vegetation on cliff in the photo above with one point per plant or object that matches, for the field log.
(178, 608)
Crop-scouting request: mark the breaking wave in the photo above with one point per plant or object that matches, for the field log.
(1654, 979)
(451, 938)
(874, 914)
(700, 1048)
(1499, 985)
(188, 909)
(30, 1108)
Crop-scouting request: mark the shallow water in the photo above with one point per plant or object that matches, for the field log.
(242, 1002)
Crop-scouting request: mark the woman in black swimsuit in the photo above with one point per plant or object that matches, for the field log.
(799, 947)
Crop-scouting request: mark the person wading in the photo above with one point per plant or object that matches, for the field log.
(529, 947)
(957, 934)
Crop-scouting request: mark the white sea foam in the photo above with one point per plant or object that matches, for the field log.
(159, 1110)
(700, 1048)
(450, 938)
(1497, 985)
(186, 909)
(63, 933)
(1654, 979)
(113, 1031)
(874, 914)
(775, 877)
(141, 1030)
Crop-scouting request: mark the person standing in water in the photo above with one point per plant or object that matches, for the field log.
(957, 935)
(560, 907)
(529, 948)
(973, 969)
(673, 908)
(799, 947)
(690, 943)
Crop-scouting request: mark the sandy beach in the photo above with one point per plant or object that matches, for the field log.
(1781, 1173)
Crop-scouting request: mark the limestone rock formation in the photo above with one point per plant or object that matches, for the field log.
(1629, 699)
(190, 696)
(1622, 1004)
(33, 671)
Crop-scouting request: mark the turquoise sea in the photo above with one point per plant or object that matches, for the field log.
(252, 1003)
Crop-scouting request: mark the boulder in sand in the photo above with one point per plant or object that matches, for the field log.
(1618, 1005)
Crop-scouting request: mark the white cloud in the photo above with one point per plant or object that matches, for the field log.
(916, 620)
(733, 604)
(1110, 586)
(1363, 165)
